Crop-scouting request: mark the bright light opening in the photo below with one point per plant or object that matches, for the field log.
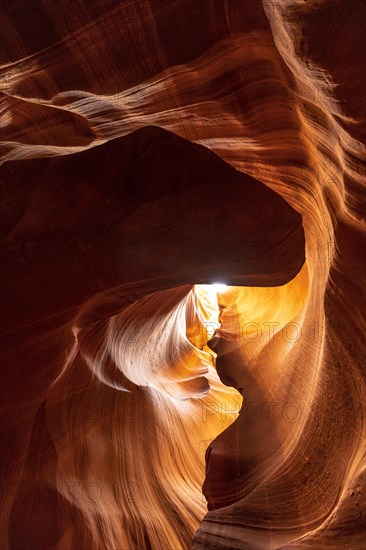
(219, 287)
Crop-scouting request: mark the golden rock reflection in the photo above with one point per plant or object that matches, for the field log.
(150, 147)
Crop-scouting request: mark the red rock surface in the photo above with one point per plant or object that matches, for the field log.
(148, 149)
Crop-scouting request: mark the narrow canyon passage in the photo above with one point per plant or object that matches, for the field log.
(182, 251)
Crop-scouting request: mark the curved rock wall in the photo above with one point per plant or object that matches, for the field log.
(149, 149)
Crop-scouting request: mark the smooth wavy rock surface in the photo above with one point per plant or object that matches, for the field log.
(149, 149)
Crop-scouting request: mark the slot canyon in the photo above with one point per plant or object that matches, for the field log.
(182, 280)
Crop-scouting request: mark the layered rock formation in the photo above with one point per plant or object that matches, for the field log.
(149, 150)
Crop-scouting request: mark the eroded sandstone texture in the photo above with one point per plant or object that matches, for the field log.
(151, 148)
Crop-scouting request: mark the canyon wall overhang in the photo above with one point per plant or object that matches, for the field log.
(151, 148)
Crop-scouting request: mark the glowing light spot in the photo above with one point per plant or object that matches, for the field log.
(219, 287)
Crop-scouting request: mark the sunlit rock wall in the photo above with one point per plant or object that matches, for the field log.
(148, 149)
